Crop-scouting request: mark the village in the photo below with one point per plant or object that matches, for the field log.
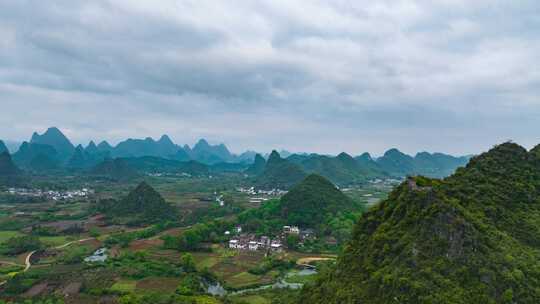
(51, 194)
(253, 191)
(250, 242)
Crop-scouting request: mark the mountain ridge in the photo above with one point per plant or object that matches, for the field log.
(473, 237)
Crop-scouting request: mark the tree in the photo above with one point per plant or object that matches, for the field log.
(20, 244)
(188, 263)
(292, 241)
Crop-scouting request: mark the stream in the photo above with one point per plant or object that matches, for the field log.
(218, 290)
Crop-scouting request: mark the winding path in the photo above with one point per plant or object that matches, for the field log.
(29, 256)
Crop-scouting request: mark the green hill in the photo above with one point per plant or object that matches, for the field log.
(312, 201)
(342, 169)
(279, 173)
(116, 169)
(28, 152)
(10, 175)
(152, 164)
(163, 147)
(257, 167)
(143, 205)
(437, 165)
(43, 163)
(56, 139)
(473, 237)
(7, 167)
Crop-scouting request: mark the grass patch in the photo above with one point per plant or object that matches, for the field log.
(301, 279)
(157, 284)
(243, 279)
(205, 300)
(54, 240)
(205, 260)
(124, 286)
(252, 299)
(6, 235)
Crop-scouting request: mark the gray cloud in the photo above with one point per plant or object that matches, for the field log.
(453, 75)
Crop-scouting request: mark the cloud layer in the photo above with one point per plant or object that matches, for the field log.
(324, 76)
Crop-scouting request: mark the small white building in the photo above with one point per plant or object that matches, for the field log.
(253, 246)
(291, 229)
(276, 246)
(234, 244)
(238, 229)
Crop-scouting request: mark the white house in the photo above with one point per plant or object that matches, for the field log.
(291, 229)
(252, 245)
(234, 244)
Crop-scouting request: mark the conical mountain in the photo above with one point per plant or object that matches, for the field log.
(396, 163)
(310, 202)
(210, 154)
(365, 160)
(56, 139)
(3, 147)
(473, 237)
(91, 148)
(279, 173)
(104, 146)
(166, 147)
(257, 167)
(146, 204)
(78, 159)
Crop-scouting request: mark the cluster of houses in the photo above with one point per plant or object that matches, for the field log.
(252, 191)
(51, 194)
(161, 174)
(253, 243)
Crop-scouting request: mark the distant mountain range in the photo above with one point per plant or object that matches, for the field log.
(344, 169)
(52, 150)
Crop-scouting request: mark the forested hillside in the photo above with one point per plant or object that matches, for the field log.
(471, 238)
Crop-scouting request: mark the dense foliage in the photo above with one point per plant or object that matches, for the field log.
(20, 244)
(192, 238)
(143, 205)
(471, 238)
(10, 175)
(116, 169)
(309, 203)
(314, 203)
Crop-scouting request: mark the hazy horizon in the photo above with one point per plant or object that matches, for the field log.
(454, 76)
(11, 143)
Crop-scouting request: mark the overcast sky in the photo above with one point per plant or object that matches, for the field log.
(457, 76)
